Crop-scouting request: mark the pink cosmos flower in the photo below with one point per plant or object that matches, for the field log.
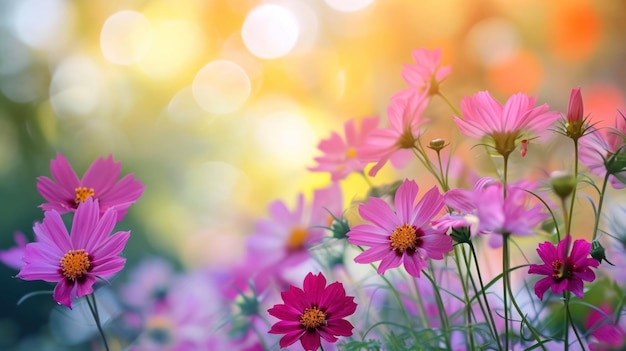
(405, 116)
(606, 334)
(485, 210)
(340, 158)
(315, 311)
(285, 239)
(605, 150)
(65, 191)
(427, 73)
(74, 261)
(504, 125)
(404, 236)
(563, 270)
(12, 257)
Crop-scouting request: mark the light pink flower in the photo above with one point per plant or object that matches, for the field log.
(564, 270)
(405, 116)
(74, 260)
(313, 312)
(485, 210)
(65, 191)
(404, 236)
(284, 240)
(340, 157)
(503, 125)
(604, 150)
(12, 257)
(427, 73)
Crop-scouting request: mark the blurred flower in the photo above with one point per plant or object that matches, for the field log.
(485, 210)
(12, 257)
(427, 73)
(607, 334)
(315, 311)
(74, 261)
(148, 283)
(504, 125)
(340, 157)
(404, 237)
(605, 151)
(283, 241)
(563, 270)
(405, 116)
(65, 191)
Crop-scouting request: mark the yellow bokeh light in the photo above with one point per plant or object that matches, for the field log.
(348, 5)
(221, 87)
(125, 37)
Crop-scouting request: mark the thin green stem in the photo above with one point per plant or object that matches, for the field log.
(571, 320)
(505, 283)
(600, 203)
(484, 293)
(420, 305)
(567, 321)
(444, 176)
(568, 224)
(468, 320)
(566, 217)
(441, 309)
(421, 155)
(96, 317)
(452, 107)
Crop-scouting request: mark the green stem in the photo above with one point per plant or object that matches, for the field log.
(567, 321)
(444, 176)
(96, 317)
(468, 321)
(420, 304)
(571, 320)
(568, 224)
(566, 217)
(441, 309)
(452, 107)
(505, 283)
(600, 202)
(484, 293)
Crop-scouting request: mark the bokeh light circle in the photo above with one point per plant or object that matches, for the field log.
(270, 31)
(125, 37)
(348, 5)
(221, 87)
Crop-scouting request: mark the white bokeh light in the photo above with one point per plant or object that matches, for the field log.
(221, 87)
(348, 5)
(42, 24)
(493, 40)
(270, 31)
(76, 87)
(125, 37)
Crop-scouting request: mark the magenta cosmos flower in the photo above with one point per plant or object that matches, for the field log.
(12, 257)
(74, 261)
(404, 236)
(504, 126)
(427, 73)
(339, 157)
(405, 116)
(564, 271)
(315, 311)
(65, 191)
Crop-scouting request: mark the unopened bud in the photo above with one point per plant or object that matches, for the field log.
(437, 144)
(562, 183)
(598, 252)
(461, 235)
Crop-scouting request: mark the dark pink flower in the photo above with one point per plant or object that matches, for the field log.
(404, 236)
(12, 257)
(605, 333)
(503, 125)
(575, 110)
(315, 311)
(340, 158)
(66, 191)
(563, 270)
(74, 260)
(427, 73)
(405, 116)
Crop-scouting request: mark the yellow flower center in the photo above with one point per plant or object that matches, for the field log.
(351, 153)
(296, 239)
(562, 270)
(75, 264)
(313, 318)
(405, 238)
(82, 194)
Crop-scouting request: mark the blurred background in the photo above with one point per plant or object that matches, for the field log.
(218, 106)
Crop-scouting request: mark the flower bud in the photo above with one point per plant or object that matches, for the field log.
(437, 144)
(598, 252)
(339, 228)
(562, 183)
(575, 107)
(461, 235)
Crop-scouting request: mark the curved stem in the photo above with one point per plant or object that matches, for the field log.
(452, 107)
(96, 317)
(440, 309)
(600, 202)
(568, 223)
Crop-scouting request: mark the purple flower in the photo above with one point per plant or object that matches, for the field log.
(404, 236)
(65, 191)
(315, 311)
(563, 271)
(74, 261)
(12, 257)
